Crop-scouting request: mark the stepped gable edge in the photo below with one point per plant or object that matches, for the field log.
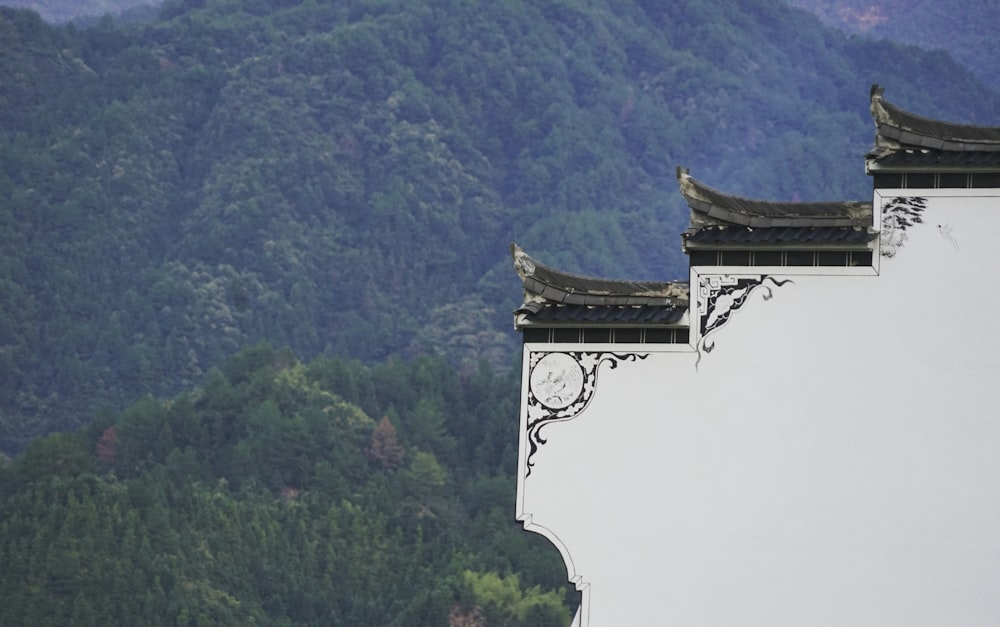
(734, 231)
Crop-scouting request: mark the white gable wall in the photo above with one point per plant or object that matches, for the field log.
(833, 460)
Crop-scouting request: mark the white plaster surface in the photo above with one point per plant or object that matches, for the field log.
(835, 460)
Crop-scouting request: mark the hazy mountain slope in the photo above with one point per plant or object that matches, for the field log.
(967, 29)
(345, 177)
(59, 11)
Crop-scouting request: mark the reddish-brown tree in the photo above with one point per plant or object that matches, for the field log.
(106, 449)
(384, 448)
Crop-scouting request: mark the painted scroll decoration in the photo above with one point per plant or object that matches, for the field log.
(721, 296)
(899, 214)
(560, 386)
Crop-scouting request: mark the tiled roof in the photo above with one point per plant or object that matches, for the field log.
(710, 207)
(896, 128)
(907, 142)
(925, 157)
(724, 220)
(779, 235)
(544, 284)
(613, 314)
(554, 298)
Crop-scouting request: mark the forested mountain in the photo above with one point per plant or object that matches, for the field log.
(283, 494)
(345, 177)
(967, 29)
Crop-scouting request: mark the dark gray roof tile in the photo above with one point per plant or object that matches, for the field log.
(616, 315)
(781, 235)
(709, 206)
(896, 128)
(916, 157)
(544, 283)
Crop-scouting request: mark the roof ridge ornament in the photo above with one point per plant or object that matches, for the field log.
(523, 264)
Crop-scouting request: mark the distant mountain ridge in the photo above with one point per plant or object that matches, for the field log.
(967, 29)
(346, 177)
(964, 28)
(62, 11)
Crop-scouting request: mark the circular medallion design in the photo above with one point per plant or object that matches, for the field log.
(557, 380)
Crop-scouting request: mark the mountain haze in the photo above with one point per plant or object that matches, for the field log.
(965, 28)
(345, 177)
(61, 11)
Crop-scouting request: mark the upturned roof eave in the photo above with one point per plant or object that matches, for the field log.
(739, 211)
(897, 128)
(544, 284)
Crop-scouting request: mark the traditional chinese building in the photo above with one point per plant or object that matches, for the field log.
(807, 430)
(913, 152)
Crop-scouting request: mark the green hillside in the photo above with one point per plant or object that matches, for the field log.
(345, 177)
(270, 497)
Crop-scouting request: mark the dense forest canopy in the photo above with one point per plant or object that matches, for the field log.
(345, 177)
(273, 496)
(964, 28)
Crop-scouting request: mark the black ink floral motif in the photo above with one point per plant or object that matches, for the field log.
(721, 296)
(899, 214)
(560, 386)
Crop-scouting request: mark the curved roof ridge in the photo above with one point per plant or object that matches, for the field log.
(547, 284)
(719, 207)
(898, 128)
